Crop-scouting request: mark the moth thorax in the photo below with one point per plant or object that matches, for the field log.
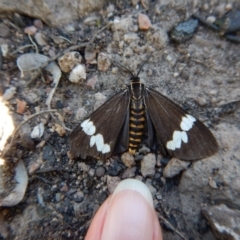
(136, 125)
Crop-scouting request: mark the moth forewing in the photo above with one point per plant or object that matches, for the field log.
(97, 135)
(182, 135)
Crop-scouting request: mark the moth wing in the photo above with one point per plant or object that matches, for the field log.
(178, 133)
(97, 135)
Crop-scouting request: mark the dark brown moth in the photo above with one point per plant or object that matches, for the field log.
(118, 126)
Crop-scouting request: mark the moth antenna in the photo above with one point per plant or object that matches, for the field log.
(118, 64)
(143, 65)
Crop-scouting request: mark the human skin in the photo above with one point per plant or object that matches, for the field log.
(127, 214)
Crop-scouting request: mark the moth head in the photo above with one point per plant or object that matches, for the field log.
(135, 79)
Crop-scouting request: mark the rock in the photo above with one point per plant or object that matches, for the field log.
(134, 2)
(59, 129)
(90, 54)
(103, 62)
(83, 167)
(6, 125)
(48, 154)
(100, 171)
(48, 12)
(57, 39)
(100, 100)
(148, 165)
(174, 167)
(129, 172)
(4, 49)
(9, 93)
(58, 197)
(223, 169)
(128, 159)
(122, 24)
(91, 20)
(37, 131)
(224, 221)
(69, 60)
(130, 37)
(21, 106)
(77, 74)
(30, 30)
(158, 37)
(91, 172)
(27, 142)
(31, 61)
(92, 81)
(40, 39)
(38, 23)
(112, 183)
(144, 22)
(4, 30)
(17, 193)
(33, 167)
(80, 114)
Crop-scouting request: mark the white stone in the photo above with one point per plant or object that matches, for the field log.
(77, 74)
(37, 131)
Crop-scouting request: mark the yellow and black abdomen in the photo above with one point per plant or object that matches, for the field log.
(137, 118)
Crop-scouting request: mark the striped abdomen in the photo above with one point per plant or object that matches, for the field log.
(137, 119)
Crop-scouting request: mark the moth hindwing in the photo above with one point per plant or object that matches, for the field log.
(120, 123)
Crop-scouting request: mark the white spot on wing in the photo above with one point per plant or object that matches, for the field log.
(97, 139)
(88, 127)
(179, 136)
(101, 146)
(187, 122)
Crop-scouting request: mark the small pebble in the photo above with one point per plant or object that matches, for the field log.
(77, 74)
(9, 93)
(91, 172)
(84, 167)
(174, 167)
(128, 159)
(211, 19)
(69, 60)
(38, 23)
(80, 114)
(129, 172)
(148, 165)
(103, 62)
(21, 106)
(144, 22)
(112, 183)
(33, 167)
(4, 30)
(59, 129)
(30, 30)
(92, 81)
(229, 7)
(4, 49)
(40, 39)
(134, 2)
(100, 171)
(176, 74)
(212, 183)
(37, 131)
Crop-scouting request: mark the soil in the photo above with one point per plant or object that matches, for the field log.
(63, 194)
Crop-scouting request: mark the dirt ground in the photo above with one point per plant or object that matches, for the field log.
(200, 74)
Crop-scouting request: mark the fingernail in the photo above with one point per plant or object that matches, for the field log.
(135, 185)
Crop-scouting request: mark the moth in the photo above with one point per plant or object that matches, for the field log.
(120, 124)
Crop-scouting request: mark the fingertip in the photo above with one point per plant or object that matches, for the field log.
(135, 185)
